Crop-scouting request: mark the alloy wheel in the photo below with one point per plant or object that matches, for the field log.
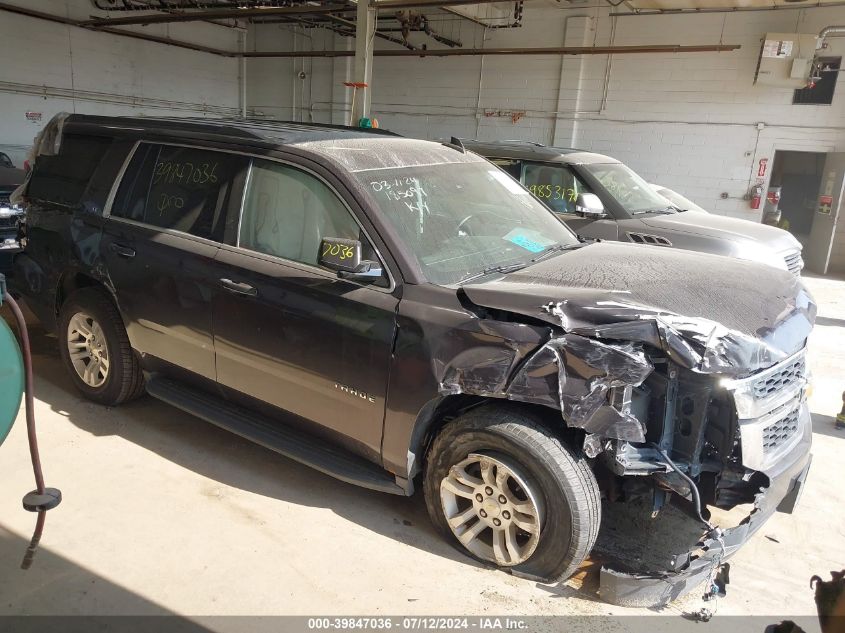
(492, 509)
(87, 348)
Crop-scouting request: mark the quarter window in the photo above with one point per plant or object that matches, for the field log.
(287, 212)
(62, 179)
(179, 188)
(509, 165)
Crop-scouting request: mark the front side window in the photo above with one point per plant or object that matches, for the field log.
(287, 212)
(555, 185)
(629, 189)
(460, 219)
(178, 188)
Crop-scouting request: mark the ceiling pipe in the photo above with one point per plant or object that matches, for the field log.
(197, 16)
(777, 7)
(446, 52)
(832, 31)
(49, 17)
(416, 4)
(379, 34)
(462, 52)
(137, 5)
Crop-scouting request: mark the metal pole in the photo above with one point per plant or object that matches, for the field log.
(243, 74)
(365, 25)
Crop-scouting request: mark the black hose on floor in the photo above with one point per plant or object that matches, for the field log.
(41, 499)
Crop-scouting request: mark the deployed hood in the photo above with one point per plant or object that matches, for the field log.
(708, 313)
(722, 227)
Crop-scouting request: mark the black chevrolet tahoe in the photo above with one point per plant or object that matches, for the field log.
(397, 312)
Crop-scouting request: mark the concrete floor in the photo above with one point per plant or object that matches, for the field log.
(164, 513)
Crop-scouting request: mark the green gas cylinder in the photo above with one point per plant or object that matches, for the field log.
(11, 374)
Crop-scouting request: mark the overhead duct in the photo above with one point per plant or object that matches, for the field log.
(832, 31)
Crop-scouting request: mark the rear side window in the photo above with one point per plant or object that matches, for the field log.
(179, 188)
(62, 179)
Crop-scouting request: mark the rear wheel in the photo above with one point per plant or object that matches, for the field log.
(502, 488)
(95, 349)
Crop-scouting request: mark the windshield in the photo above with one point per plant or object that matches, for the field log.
(678, 201)
(461, 220)
(628, 189)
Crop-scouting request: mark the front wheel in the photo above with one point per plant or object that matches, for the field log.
(504, 489)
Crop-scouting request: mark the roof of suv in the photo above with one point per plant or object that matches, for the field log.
(354, 149)
(526, 150)
(270, 131)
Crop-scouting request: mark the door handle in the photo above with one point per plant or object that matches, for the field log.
(122, 251)
(238, 288)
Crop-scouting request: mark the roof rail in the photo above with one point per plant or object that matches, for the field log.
(519, 140)
(320, 126)
(514, 141)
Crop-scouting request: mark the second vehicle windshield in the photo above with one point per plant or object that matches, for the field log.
(461, 220)
(629, 189)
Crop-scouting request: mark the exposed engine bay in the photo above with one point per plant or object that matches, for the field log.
(726, 399)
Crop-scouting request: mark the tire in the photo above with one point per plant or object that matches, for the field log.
(557, 481)
(123, 379)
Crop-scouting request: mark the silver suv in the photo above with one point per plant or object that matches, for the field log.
(600, 197)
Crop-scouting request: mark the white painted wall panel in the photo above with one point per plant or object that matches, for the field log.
(107, 74)
(686, 121)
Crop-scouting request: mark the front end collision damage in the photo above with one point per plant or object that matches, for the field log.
(637, 380)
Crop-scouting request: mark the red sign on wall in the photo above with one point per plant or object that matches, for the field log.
(761, 171)
(825, 203)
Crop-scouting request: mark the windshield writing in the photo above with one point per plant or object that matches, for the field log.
(628, 188)
(464, 218)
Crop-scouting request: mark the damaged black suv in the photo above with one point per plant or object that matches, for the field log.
(394, 311)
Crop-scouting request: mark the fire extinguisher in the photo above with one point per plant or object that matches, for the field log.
(756, 196)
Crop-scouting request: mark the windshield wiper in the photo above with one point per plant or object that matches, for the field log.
(556, 248)
(666, 211)
(494, 269)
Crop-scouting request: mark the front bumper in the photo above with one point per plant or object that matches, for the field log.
(691, 568)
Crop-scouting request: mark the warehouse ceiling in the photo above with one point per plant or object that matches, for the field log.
(725, 4)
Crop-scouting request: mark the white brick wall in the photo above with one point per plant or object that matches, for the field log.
(687, 121)
(130, 77)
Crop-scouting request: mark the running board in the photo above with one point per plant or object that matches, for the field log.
(328, 459)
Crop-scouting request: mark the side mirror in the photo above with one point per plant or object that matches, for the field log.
(344, 257)
(589, 206)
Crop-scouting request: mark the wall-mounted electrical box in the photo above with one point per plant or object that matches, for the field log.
(786, 60)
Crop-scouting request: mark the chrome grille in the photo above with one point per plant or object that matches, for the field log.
(771, 411)
(794, 262)
(781, 432)
(784, 377)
